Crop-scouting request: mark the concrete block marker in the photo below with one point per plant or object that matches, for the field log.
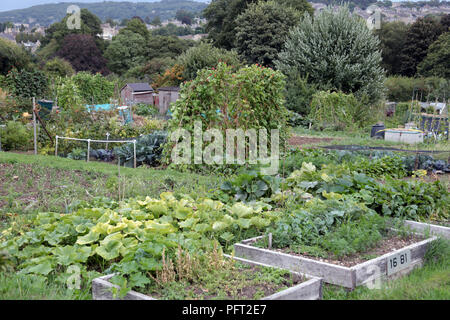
(388, 266)
(310, 289)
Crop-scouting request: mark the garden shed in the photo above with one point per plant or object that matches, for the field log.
(133, 93)
(167, 95)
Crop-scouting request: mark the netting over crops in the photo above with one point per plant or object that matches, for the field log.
(358, 148)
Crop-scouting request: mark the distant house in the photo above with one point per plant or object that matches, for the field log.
(167, 95)
(133, 93)
(8, 36)
(195, 37)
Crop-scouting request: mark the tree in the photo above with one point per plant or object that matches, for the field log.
(205, 56)
(300, 5)
(59, 67)
(420, 36)
(221, 15)
(167, 47)
(336, 51)
(127, 50)
(445, 22)
(184, 16)
(12, 56)
(111, 22)
(437, 61)
(156, 21)
(392, 39)
(136, 25)
(90, 24)
(82, 53)
(262, 29)
(151, 69)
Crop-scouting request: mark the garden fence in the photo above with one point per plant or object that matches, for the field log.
(101, 141)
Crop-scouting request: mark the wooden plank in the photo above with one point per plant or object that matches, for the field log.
(377, 268)
(432, 229)
(102, 290)
(330, 273)
(308, 290)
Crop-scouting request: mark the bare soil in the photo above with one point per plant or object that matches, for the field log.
(384, 246)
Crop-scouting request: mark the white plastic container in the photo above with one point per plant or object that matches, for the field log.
(404, 136)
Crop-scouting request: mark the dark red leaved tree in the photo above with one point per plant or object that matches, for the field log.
(83, 54)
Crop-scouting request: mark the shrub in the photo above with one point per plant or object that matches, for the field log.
(58, 67)
(94, 88)
(335, 110)
(15, 136)
(27, 83)
(299, 94)
(148, 150)
(401, 89)
(250, 98)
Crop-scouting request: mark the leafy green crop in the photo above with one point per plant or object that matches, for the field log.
(251, 186)
(415, 200)
(148, 150)
(130, 237)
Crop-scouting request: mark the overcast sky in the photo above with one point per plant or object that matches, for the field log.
(6, 5)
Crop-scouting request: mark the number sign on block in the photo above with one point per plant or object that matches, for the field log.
(398, 261)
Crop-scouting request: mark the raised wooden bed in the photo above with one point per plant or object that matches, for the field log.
(311, 289)
(432, 229)
(349, 277)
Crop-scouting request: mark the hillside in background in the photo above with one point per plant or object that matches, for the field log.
(47, 14)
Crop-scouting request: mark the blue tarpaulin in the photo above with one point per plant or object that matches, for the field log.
(97, 107)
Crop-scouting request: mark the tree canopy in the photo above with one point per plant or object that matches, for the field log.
(90, 24)
(336, 51)
(205, 56)
(392, 39)
(82, 53)
(419, 37)
(12, 56)
(437, 61)
(262, 29)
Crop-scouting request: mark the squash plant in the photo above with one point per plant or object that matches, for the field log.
(130, 236)
(251, 186)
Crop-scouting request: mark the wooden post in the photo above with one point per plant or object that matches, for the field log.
(89, 149)
(107, 138)
(34, 125)
(56, 147)
(270, 241)
(1, 126)
(134, 150)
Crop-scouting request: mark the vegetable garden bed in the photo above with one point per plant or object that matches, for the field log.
(390, 265)
(433, 229)
(299, 286)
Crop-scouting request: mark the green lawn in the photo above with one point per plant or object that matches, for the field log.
(29, 184)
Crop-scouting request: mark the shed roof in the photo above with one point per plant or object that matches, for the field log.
(169, 89)
(139, 87)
